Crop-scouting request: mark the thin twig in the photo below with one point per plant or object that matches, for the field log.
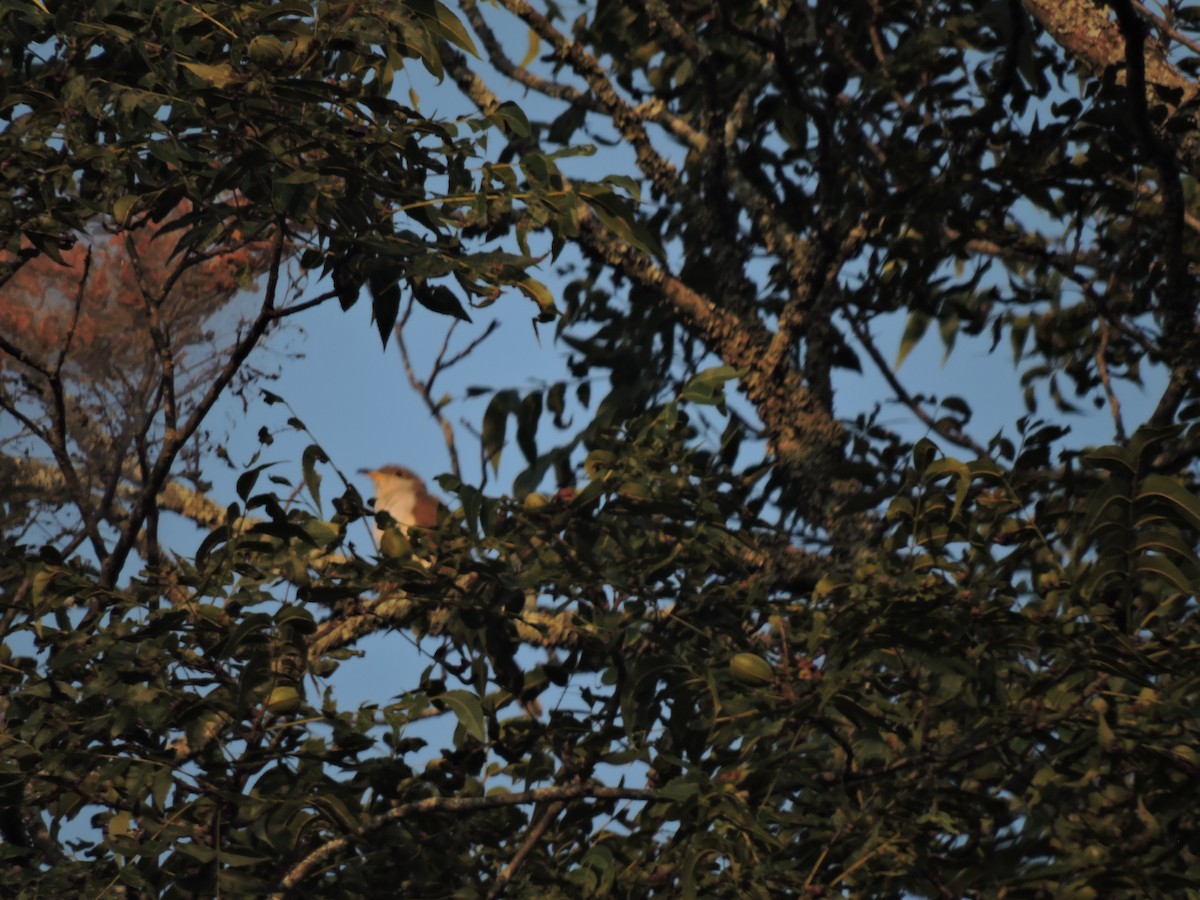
(1114, 402)
(954, 435)
(1166, 26)
(70, 338)
(152, 303)
(307, 304)
(470, 348)
(422, 390)
(173, 441)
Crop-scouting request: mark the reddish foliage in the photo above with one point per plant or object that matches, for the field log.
(111, 327)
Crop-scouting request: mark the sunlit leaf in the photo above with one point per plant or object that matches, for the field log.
(467, 710)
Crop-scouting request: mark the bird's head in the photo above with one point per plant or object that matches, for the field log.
(401, 493)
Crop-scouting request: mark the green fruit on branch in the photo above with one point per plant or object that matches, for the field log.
(751, 669)
(283, 699)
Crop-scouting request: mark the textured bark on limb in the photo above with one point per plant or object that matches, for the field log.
(802, 432)
(1112, 37)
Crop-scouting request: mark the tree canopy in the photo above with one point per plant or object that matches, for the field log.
(727, 634)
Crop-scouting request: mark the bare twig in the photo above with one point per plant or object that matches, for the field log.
(1165, 26)
(441, 363)
(954, 435)
(56, 436)
(307, 304)
(152, 304)
(174, 441)
(1114, 401)
(470, 347)
(70, 338)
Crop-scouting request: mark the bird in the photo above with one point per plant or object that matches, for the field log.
(401, 493)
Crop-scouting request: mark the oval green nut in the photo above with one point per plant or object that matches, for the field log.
(751, 669)
(283, 699)
(395, 544)
(265, 49)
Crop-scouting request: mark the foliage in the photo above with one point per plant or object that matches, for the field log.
(752, 644)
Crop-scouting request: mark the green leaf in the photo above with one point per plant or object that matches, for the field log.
(680, 789)
(914, 330)
(620, 217)
(529, 415)
(1167, 570)
(467, 709)
(1183, 501)
(1168, 539)
(123, 207)
(495, 424)
(46, 243)
(239, 860)
(440, 299)
(1108, 507)
(535, 43)
(629, 184)
(312, 478)
(567, 124)
(708, 386)
(948, 465)
(442, 22)
(336, 811)
(924, 455)
(385, 301)
(1113, 458)
(248, 479)
(218, 76)
(513, 119)
(296, 617)
(539, 294)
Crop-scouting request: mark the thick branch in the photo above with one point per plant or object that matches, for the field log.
(535, 626)
(804, 435)
(1084, 29)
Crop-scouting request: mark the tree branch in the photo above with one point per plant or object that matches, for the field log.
(173, 441)
(531, 840)
(954, 435)
(453, 806)
(441, 363)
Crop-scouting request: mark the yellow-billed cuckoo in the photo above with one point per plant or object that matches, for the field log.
(401, 494)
